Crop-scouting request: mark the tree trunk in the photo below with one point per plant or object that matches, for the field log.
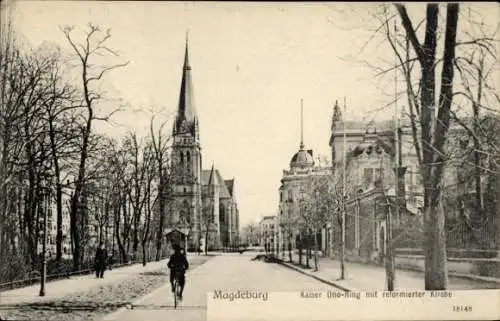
(289, 249)
(316, 259)
(434, 132)
(206, 240)
(300, 251)
(308, 254)
(144, 253)
(162, 190)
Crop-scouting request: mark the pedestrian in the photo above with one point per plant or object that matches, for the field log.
(101, 256)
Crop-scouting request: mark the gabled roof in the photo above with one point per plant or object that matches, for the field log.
(217, 180)
(223, 191)
(205, 176)
(230, 186)
(376, 145)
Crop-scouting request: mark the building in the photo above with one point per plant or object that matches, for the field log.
(370, 186)
(295, 181)
(203, 207)
(267, 226)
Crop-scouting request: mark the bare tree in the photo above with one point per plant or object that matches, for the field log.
(160, 141)
(94, 45)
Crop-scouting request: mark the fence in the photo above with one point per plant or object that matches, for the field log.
(34, 276)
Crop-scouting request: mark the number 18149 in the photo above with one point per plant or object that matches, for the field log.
(462, 308)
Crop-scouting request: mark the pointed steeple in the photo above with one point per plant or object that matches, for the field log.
(187, 117)
(337, 114)
(211, 179)
(301, 124)
(186, 54)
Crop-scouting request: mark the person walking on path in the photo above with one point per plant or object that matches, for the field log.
(101, 257)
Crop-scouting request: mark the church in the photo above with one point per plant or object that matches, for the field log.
(202, 208)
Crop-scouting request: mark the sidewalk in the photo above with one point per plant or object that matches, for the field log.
(364, 277)
(60, 288)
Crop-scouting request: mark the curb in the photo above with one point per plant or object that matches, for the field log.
(471, 277)
(335, 285)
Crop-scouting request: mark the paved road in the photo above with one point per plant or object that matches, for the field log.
(225, 272)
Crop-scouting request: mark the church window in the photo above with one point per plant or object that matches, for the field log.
(367, 176)
(186, 212)
(379, 174)
(221, 213)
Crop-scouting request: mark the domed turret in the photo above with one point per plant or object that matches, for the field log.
(303, 158)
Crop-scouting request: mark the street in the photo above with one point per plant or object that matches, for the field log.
(224, 272)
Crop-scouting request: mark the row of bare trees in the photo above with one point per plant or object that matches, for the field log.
(51, 100)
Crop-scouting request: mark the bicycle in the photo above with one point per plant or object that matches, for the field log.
(177, 291)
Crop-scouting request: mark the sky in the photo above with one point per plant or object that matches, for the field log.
(251, 63)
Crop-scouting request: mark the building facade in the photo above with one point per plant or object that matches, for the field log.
(295, 181)
(268, 228)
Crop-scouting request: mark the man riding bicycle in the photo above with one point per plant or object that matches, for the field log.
(178, 265)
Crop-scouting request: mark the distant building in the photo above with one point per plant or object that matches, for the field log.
(267, 226)
(290, 235)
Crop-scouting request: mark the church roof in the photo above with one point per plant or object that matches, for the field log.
(223, 191)
(217, 179)
(230, 185)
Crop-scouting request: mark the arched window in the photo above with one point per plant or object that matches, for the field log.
(186, 210)
(222, 214)
(188, 157)
(182, 157)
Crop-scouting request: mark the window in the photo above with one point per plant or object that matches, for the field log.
(379, 174)
(182, 157)
(367, 176)
(222, 214)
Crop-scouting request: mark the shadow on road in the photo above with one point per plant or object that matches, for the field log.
(151, 307)
(154, 273)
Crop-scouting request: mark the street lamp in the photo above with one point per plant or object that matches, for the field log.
(45, 208)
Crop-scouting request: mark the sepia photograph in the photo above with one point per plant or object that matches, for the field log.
(199, 160)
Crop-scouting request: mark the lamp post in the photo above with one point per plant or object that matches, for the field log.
(344, 196)
(45, 208)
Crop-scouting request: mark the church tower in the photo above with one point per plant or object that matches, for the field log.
(186, 162)
(336, 120)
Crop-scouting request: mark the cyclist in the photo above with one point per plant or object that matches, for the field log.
(178, 265)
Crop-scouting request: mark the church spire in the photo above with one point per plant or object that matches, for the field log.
(186, 54)
(186, 120)
(301, 124)
(337, 115)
